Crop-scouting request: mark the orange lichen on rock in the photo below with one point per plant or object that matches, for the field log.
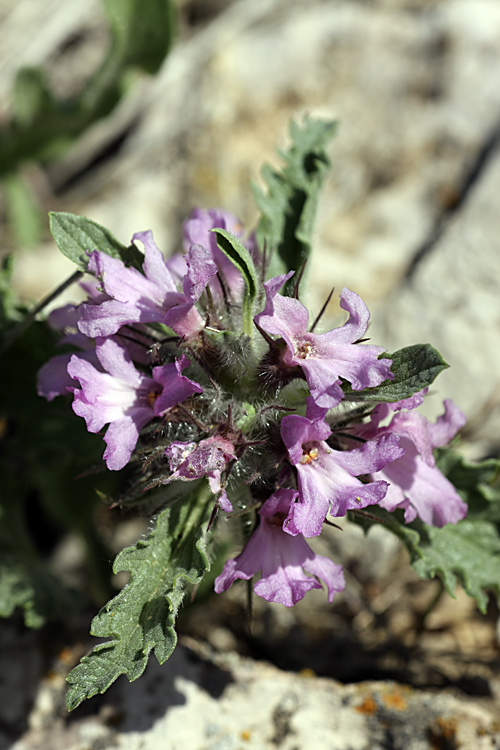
(368, 706)
(395, 700)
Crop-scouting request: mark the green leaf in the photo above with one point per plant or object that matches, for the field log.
(289, 206)
(75, 235)
(141, 618)
(241, 258)
(142, 35)
(44, 126)
(414, 368)
(476, 483)
(468, 552)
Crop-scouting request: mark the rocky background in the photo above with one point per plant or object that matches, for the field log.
(409, 219)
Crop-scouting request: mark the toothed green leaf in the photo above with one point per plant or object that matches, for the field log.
(414, 368)
(288, 207)
(141, 618)
(467, 552)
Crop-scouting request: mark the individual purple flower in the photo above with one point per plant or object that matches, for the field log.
(198, 230)
(284, 560)
(151, 297)
(124, 397)
(416, 483)
(324, 357)
(53, 378)
(327, 478)
(208, 458)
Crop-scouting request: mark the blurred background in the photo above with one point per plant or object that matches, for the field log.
(409, 219)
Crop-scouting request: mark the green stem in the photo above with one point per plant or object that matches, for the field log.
(28, 319)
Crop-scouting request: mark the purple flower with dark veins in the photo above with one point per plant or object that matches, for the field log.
(151, 297)
(327, 477)
(124, 397)
(208, 458)
(416, 483)
(324, 357)
(289, 566)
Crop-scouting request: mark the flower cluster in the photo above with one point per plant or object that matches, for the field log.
(188, 393)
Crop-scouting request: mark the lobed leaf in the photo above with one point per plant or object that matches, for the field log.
(141, 618)
(469, 552)
(414, 368)
(288, 208)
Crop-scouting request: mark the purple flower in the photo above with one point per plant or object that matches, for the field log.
(416, 484)
(198, 230)
(324, 357)
(284, 560)
(327, 478)
(124, 397)
(151, 297)
(208, 458)
(53, 378)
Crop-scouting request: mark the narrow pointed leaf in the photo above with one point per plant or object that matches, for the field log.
(241, 258)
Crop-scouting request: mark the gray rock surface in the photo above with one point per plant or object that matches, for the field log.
(202, 701)
(453, 301)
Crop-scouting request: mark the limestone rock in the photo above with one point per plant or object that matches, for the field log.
(202, 701)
